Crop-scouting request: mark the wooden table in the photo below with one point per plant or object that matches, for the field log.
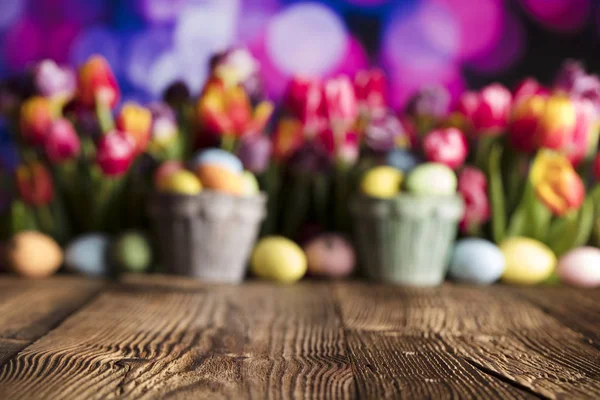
(162, 337)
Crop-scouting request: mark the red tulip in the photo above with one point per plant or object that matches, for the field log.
(371, 91)
(97, 82)
(488, 110)
(35, 119)
(62, 143)
(115, 153)
(136, 121)
(528, 87)
(35, 185)
(340, 104)
(472, 186)
(447, 146)
(304, 100)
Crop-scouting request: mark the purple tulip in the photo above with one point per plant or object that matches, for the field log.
(52, 80)
(575, 81)
(382, 133)
(255, 152)
(431, 101)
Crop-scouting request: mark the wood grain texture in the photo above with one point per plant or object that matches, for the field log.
(492, 329)
(30, 308)
(262, 341)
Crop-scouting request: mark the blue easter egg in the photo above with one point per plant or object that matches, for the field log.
(477, 261)
(403, 160)
(218, 157)
(88, 255)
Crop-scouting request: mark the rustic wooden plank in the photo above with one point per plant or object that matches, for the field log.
(579, 309)
(392, 365)
(492, 329)
(251, 341)
(30, 308)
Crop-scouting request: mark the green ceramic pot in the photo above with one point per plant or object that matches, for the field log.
(408, 239)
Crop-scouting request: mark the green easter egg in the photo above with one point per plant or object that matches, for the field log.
(432, 179)
(249, 184)
(528, 261)
(381, 182)
(132, 252)
(278, 259)
(181, 182)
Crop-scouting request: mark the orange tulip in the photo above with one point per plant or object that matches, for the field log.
(34, 184)
(97, 82)
(287, 138)
(556, 183)
(136, 121)
(35, 119)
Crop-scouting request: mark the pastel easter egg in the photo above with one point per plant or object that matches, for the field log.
(249, 184)
(580, 267)
(381, 182)
(164, 170)
(88, 254)
(330, 255)
(432, 179)
(132, 252)
(218, 157)
(402, 159)
(476, 261)
(216, 177)
(278, 259)
(33, 255)
(181, 182)
(528, 261)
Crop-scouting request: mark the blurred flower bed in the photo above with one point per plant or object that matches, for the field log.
(346, 179)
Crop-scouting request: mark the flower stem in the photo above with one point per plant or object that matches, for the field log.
(228, 143)
(105, 118)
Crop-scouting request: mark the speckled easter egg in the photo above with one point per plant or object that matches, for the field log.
(431, 179)
(580, 267)
(218, 157)
(330, 255)
(164, 170)
(381, 182)
(181, 182)
(528, 261)
(278, 259)
(476, 261)
(402, 159)
(88, 254)
(33, 255)
(216, 177)
(131, 252)
(249, 184)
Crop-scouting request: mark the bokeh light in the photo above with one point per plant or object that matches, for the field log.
(161, 11)
(11, 11)
(560, 15)
(97, 40)
(306, 38)
(23, 44)
(145, 48)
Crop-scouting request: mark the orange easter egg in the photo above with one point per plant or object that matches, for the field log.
(216, 177)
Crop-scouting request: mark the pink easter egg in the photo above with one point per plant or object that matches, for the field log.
(580, 267)
(330, 255)
(166, 169)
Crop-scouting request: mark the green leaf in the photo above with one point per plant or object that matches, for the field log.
(573, 230)
(497, 194)
(585, 224)
(21, 218)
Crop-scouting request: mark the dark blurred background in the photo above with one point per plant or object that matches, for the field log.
(458, 43)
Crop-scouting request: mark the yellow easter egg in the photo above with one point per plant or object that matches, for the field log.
(381, 182)
(278, 259)
(181, 182)
(249, 184)
(33, 255)
(217, 177)
(528, 261)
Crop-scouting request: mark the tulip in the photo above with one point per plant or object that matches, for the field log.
(522, 131)
(446, 146)
(371, 92)
(62, 143)
(575, 82)
(255, 153)
(136, 121)
(34, 184)
(340, 104)
(384, 133)
(557, 122)
(54, 81)
(97, 83)
(556, 183)
(348, 150)
(228, 112)
(528, 87)
(304, 100)
(35, 120)
(288, 138)
(472, 186)
(115, 153)
(585, 134)
(431, 102)
(487, 111)
(238, 67)
(164, 128)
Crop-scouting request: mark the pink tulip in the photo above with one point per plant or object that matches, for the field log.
(371, 92)
(528, 87)
(582, 140)
(115, 153)
(472, 186)
(447, 146)
(304, 100)
(341, 106)
(487, 111)
(62, 143)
